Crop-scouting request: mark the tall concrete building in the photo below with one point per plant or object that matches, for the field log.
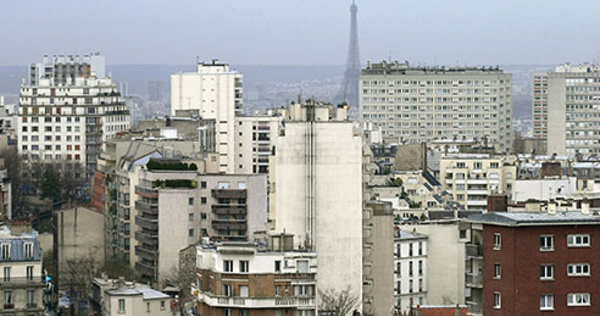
(420, 104)
(69, 117)
(573, 104)
(539, 109)
(255, 138)
(213, 92)
(316, 191)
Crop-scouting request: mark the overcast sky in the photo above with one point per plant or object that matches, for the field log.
(302, 32)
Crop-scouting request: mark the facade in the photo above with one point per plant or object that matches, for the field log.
(63, 70)
(539, 262)
(242, 279)
(5, 193)
(70, 120)
(540, 106)
(22, 284)
(420, 104)
(470, 178)
(255, 137)
(573, 96)
(213, 92)
(316, 188)
(175, 208)
(117, 297)
(410, 270)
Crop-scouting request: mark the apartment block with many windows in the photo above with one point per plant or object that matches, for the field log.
(421, 104)
(241, 279)
(410, 269)
(539, 107)
(539, 262)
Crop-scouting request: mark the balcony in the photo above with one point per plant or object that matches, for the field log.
(145, 268)
(146, 192)
(232, 225)
(257, 302)
(473, 280)
(229, 193)
(21, 282)
(474, 251)
(147, 239)
(150, 209)
(147, 223)
(144, 253)
(229, 209)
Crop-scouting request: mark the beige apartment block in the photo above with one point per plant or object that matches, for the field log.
(422, 104)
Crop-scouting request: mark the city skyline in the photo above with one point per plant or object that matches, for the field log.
(307, 33)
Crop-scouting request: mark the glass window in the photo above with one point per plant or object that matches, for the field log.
(547, 302)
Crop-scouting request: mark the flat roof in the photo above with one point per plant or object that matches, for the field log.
(515, 219)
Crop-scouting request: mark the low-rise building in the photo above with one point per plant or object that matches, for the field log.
(239, 278)
(117, 297)
(22, 284)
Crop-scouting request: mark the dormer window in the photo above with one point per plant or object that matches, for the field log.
(5, 251)
(28, 250)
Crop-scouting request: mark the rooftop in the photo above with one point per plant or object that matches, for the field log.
(515, 219)
(405, 235)
(395, 67)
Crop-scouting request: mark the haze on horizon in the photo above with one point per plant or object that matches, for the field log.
(303, 32)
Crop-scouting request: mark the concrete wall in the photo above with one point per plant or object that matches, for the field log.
(556, 115)
(446, 263)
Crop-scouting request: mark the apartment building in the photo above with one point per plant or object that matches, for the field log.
(69, 120)
(537, 262)
(5, 193)
(421, 104)
(255, 138)
(573, 101)
(237, 278)
(119, 297)
(316, 183)
(214, 91)
(21, 284)
(176, 207)
(539, 106)
(63, 70)
(410, 270)
(470, 178)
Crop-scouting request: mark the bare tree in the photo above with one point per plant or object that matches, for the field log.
(76, 275)
(337, 303)
(14, 165)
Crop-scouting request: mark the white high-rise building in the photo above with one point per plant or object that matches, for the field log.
(316, 192)
(213, 92)
(573, 95)
(69, 117)
(421, 104)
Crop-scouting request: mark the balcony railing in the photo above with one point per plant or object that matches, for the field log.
(147, 208)
(237, 225)
(474, 280)
(146, 192)
(147, 254)
(474, 251)
(229, 193)
(229, 209)
(257, 302)
(21, 281)
(145, 269)
(147, 223)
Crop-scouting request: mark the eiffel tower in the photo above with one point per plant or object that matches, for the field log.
(349, 92)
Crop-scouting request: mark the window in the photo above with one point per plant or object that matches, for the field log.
(277, 266)
(162, 305)
(300, 290)
(420, 248)
(202, 215)
(244, 291)
(578, 299)
(244, 266)
(228, 312)
(29, 273)
(243, 312)
(546, 302)
(410, 286)
(277, 290)
(578, 269)
(420, 267)
(497, 300)
(497, 271)
(546, 243)
(30, 298)
(191, 232)
(6, 274)
(147, 307)
(227, 290)
(5, 251)
(8, 297)
(497, 241)
(578, 240)
(546, 272)
(203, 200)
(191, 217)
(228, 265)
(302, 266)
(410, 268)
(121, 306)
(203, 184)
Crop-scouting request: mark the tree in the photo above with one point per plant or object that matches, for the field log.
(76, 275)
(51, 184)
(338, 303)
(14, 166)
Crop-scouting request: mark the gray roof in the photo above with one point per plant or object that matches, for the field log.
(138, 289)
(405, 235)
(17, 245)
(536, 219)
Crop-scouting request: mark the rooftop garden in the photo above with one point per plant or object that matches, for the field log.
(159, 165)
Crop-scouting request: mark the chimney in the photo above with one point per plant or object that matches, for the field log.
(552, 207)
(121, 281)
(585, 207)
